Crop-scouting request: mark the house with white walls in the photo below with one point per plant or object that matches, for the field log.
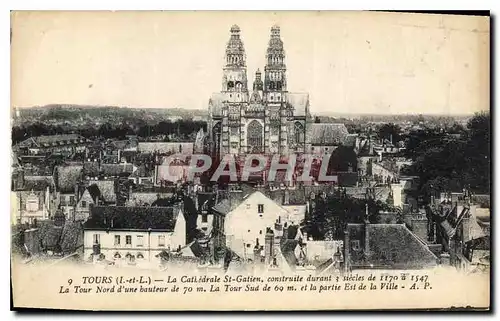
(133, 235)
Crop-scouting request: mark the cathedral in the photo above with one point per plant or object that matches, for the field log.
(265, 118)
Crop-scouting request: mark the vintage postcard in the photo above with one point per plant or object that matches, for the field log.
(313, 160)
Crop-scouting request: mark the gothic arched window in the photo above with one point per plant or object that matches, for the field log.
(299, 133)
(230, 85)
(254, 136)
(272, 85)
(278, 85)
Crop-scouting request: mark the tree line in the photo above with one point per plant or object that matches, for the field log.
(180, 129)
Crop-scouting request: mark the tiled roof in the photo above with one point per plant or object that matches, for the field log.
(327, 134)
(225, 206)
(72, 236)
(116, 169)
(68, 177)
(207, 197)
(106, 190)
(143, 198)
(141, 218)
(52, 139)
(391, 246)
(288, 251)
(350, 140)
(39, 184)
(91, 169)
(124, 144)
(166, 147)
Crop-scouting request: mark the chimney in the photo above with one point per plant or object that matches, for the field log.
(268, 246)
(286, 197)
(256, 251)
(278, 226)
(285, 231)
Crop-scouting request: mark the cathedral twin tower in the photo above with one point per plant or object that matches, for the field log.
(266, 119)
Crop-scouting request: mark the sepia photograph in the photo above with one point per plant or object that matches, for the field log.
(250, 161)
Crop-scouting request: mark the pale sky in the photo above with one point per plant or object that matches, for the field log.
(349, 62)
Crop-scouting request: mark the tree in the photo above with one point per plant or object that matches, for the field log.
(391, 132)
(449, 163)
(331, 214)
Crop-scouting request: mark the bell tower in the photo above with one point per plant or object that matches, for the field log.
(275, 69)
(234, 80)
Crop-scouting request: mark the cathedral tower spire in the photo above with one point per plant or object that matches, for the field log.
(275, 70)
(258, 85)
(235, 77)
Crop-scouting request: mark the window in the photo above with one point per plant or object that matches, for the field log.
(260, 208)
(248, 206)
(128, 240)
(117, 256)
(204, 218)
(299, 133)
(97, 238)
(161, 240)
(140, 256)
(260, 232)
(84, 204)
(117, 239)
(140, 240)
(255, 136)
(71, 200)
(355, 245)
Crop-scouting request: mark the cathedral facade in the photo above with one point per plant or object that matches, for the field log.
(264, 118)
